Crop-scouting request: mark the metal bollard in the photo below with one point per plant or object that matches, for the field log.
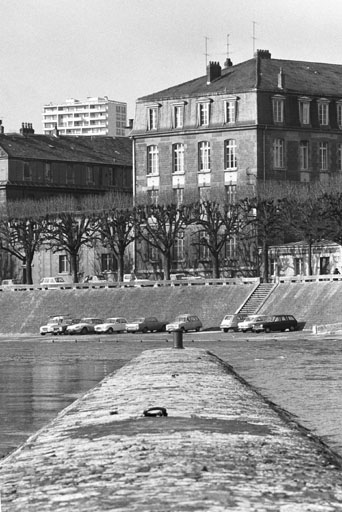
(178, 339)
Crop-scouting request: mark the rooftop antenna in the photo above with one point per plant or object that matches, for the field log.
(253, 36)
(228, 45)
(206, 51)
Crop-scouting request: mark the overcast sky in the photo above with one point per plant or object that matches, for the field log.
(51, 50)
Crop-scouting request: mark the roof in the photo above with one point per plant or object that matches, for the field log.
(96, 150)
(307, 78)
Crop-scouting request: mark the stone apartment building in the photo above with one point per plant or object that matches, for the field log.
(238, 126)
(37, 166)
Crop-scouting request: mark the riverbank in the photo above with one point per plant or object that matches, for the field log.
(222, 446)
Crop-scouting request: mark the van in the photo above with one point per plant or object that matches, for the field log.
(230, 322)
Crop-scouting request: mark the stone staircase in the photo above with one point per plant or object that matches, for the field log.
(256, 299)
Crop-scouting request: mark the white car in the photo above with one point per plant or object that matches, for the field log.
(49, 283)
(57, 325)
(249, 321)
(132, 279)
(110, 325)
(84, 326)
(230, 322)
(185, 323)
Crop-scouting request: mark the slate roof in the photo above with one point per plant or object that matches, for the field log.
(306, 78)
(96, 150)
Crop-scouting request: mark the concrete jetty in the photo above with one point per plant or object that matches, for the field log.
(173, 430)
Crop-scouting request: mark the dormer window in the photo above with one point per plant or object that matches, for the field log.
(278, 109)
(203, 113)
(323, 112)
(230, 111)
(304, 110)
(152, 117)
(178, 115)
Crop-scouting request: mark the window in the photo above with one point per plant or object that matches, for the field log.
(70, 175)
(304, 110)
(278, 153)
(203, 113)
(278, 109)
(90, 176)
(339, 157)
(179, 196)
(153, 254)
(63, 264)
(178, 158)
(204, 156)
(153, 196)
(231, 162)
(304, 155)
(230, 111)
(178, 248)
(204, 253)
(152, 118)
(323, 112)
(339, 114)
(152, 160)
(107, 262)
(178, 116)
(27, 175)
(231, 194)
(323, 156)
(47, 171)
(230, 248)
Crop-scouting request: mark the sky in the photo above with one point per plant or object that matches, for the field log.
(51, 50)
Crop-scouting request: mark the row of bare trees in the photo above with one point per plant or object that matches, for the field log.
(275, 214)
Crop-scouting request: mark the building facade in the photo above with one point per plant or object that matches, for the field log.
(41, 166)
(238, 126)
(90, 117)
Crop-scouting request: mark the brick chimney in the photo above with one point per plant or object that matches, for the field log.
(262, 54)
(1, 127)
(227, 63)
(213, 71)
(26, 129)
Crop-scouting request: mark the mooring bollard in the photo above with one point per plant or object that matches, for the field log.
(178, 339)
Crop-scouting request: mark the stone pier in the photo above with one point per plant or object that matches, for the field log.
(209, 442)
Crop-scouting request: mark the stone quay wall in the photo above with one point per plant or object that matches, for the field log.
(218, 446)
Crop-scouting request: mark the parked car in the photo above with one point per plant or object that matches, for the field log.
(230, 322)
(277, 323)
(110, 325)
(9, 284)
(249, 321)
(95, 279)
(185, 323)
(145, 324)
(132, 279)
(84, 326)
(57, 324)
(52, 282)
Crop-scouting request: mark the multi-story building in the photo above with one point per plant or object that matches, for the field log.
(41, 166)
(91, 117)
(263, 119)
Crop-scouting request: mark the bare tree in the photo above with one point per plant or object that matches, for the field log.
(218, 223)
(71, 225)
(160, 225)
(22, 231)
(116, 228)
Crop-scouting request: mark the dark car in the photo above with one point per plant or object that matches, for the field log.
(145, 324)
(276, 323)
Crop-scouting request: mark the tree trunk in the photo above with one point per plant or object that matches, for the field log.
(310, 258)
(74, 267)
(120, 261)
(166, 265)
(216, 267)
(265, 262)
(28, 266)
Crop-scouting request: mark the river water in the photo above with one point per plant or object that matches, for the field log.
(39, 377)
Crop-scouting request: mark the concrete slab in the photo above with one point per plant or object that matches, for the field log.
(221, 447)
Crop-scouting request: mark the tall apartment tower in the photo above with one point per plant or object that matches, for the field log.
(93, 116)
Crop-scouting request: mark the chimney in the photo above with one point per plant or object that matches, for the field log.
(213, 71)
(130, 124)
(281, 79)
(26, 129)
(1, 127)
(55, 132)
(227, 63)
(262, 54)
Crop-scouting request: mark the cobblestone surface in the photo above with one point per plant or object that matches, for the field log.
(221, 447)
